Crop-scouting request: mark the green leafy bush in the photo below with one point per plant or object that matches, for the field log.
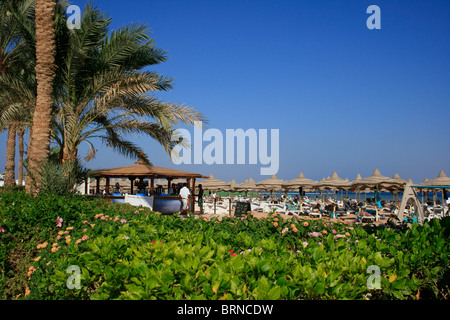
(128, 253)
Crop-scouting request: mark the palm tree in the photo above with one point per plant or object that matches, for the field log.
(95, 87)
(14, 58)
(103, 91)
(39, 141)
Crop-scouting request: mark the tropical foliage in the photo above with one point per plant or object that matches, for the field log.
(17, 81)
(124, 252)
(102, 89)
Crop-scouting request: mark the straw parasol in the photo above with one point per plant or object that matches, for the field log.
(373, 181)
(357, 178)
(334, 182)
(399, 180)
(394, 184)
(299, 182)
(353, 186)
(273, 183)
(213, 183)
(318, 184)
(440, 180)
(233, 185)
(247, 185)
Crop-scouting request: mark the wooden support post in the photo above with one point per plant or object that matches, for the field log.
(131, 178)
(193, 195)
(107, 185)
(169, 180)
(97, 188)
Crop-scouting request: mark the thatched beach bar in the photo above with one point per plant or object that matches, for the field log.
(140, 190)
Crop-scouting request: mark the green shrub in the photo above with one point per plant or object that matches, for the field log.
(128, 253)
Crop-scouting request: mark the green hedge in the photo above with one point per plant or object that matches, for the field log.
(124, 252)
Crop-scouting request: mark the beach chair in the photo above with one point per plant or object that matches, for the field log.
(270, 207)
(315, 213)
(349, 207)
(291, 209)
(364, 215)
(333, 210)
(279, 208)
(436, 212)
(256, 207)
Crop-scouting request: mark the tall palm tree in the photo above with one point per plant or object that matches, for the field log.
(14, 58)
(39, 142)
(10, 158)
(103, 90)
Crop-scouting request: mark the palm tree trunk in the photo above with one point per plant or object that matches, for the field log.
(39, 144)
(69, 155)
(20, 133)
(10, 176)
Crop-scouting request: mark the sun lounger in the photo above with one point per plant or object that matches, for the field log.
(315, 213)
(291, 209)
(436, 212)
(350, 206)
(363, 215)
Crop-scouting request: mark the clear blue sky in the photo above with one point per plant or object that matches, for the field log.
(344, 98)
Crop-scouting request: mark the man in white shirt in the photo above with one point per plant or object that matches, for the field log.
(184, 194)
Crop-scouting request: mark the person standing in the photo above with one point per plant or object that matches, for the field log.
(200, 198)
(184, 194)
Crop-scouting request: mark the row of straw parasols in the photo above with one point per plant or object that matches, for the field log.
(334, 182)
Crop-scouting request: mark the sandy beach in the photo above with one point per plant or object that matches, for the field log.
(347, 218)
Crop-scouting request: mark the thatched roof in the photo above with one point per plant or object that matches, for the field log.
(212, 183)
(249, 184)
(300, 181)
(270, 184)
(333, 182)
(440, 180)
(374, 180)
(141, 170)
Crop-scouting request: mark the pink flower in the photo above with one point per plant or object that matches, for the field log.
(123, 221)
(1, 229)
(84, 238)
(315, 234)
(37, 191)
(233, 254)
(59, 222)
